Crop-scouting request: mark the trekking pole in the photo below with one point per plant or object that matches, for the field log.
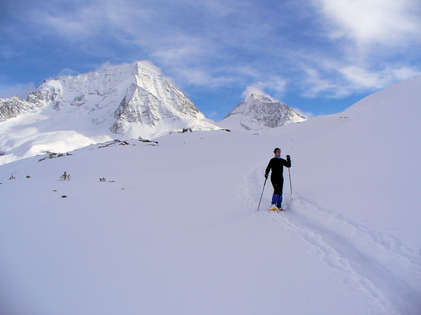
(290, 184)
(262, 193)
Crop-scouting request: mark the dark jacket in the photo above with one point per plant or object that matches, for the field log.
(277, 167)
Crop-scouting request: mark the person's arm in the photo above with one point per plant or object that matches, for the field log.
(268, 169)
(288, 161)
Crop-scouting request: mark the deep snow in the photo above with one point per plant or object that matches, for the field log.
(174, 229)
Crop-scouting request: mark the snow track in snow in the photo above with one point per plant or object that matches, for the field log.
(385, 243)
(348, 246)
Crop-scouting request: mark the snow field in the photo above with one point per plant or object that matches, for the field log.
(174, 229)
(154, 246)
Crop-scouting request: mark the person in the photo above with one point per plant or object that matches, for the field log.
(276, 164)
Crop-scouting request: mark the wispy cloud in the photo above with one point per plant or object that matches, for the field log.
(202, 77)
(343, 80)
(313, 84)
(342, 47)
(275, 85)
(361, 78)
(373, 43)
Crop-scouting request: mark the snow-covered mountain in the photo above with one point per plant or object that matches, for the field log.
(172, 228)
(13, 106)
(259, 110)
(70, 112)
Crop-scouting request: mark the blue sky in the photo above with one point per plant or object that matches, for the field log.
(319, 56)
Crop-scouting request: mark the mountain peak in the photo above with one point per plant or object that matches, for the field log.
(146, 66)
(260, 110)
(128, 100)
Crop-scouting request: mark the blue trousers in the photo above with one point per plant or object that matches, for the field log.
(277, 184)
(277, 200)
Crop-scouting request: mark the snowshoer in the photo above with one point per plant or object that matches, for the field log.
(276, 164)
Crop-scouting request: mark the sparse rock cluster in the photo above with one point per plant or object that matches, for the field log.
(53, 155)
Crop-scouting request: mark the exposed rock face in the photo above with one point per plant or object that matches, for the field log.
(13, 106)
(152, 99)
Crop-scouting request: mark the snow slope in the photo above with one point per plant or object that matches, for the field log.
(258, 111)
(70, 112)
(174, 229)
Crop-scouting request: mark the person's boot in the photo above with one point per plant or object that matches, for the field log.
(275, 199)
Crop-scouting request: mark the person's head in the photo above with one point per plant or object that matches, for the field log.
(277, 152)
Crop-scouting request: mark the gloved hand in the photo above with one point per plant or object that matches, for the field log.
(288, 157)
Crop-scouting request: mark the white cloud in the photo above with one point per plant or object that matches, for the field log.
(404, 73)
(275, 84)
(203, 77)
(367, 22)
(180, 49)
(252, 89)
(82, 23)
(363, 79)
(314, 84)
(371, 47)
(343, 80)
(66, 72)
(245, 70)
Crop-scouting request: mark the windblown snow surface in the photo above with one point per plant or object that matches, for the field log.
(174, 228)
